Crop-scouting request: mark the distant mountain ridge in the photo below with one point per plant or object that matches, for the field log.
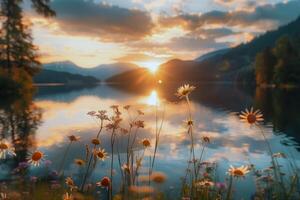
(232, 65)
(50, 76)
(100, 72)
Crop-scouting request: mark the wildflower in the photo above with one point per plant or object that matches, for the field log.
(53, 174)
(251, 117)
(36, 158)
(206, 139)
(70, 183)
(95, 141)
(115, 122)
(158, 177)
(102, 115)
(48, 163)
(6, 149)
(238, 172)
(114, 107)
(124, 131)
(184, 90)
(126, 168)
(79, 162)
(73, 138)
(68, 196)
(91, 113)
(221, 186)
(105, 182)
(139, 124)
(140, 112)
(101, 154)
(138, 162)
(146, 143)
(205, 183)
(127, 107)
(279, 155)
(188, 123)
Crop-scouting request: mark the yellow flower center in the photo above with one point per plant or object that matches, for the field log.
(3, 146)
(100, 154)
(79, 162)
(238, 172)
(95, 141)
(146, 143)
(251, 118)
(36, 156)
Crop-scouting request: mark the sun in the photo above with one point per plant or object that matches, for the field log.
(152, 66)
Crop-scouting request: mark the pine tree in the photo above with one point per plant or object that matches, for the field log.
(16, 48)
(264, 66)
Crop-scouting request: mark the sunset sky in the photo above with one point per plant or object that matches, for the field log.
(149, 32)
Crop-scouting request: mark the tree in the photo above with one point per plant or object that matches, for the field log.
(16, 48)
(287, 69)
(264, 66)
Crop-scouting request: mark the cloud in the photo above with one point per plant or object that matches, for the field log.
(195, 44)
(102, 21)
(280, 13)
(240, 4)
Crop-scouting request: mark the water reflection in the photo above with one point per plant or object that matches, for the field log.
(19, 119)
(152, 99)
(64, 113)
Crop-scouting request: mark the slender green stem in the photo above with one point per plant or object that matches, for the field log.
(112, 162)
(61, 170)
(273, 161)
(228, 197)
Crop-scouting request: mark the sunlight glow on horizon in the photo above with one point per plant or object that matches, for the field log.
(152, 66)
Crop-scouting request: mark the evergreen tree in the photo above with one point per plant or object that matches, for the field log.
(264, 66)
(16, 48)
(287, 69)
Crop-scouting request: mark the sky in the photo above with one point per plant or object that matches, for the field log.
(150, 32)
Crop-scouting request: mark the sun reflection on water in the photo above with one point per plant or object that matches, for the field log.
(152, 99)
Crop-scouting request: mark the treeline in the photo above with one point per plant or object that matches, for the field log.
(280, 65)
(49, 76)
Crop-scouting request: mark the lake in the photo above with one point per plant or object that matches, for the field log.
(59, 111)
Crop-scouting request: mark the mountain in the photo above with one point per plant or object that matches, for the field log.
(49, 76)
(101, 72)
(233, 64)
(212, 54)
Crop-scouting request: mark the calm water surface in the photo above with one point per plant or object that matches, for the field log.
(64, 112)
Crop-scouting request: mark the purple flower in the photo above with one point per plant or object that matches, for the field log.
(23, 165)
(48, 163)
(53, 174)
(221, 185)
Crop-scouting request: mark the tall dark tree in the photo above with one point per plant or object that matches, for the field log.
(264, 66)
(287, 69)
(16, 48)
